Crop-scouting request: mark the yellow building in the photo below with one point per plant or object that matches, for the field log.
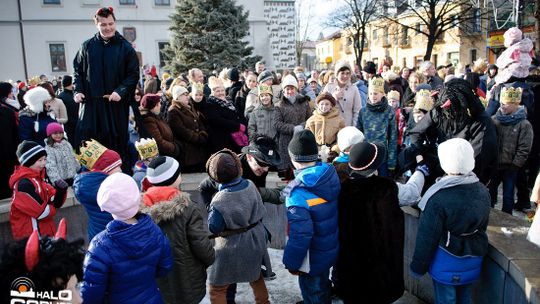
(407, 47)
(328, 51)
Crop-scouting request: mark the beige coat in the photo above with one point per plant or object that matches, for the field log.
(349, 106)
(59, 109)
(325, 127)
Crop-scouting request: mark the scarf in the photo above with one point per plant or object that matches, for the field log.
(378, 107)
(511, 119)
(222, 103)
(447, 181)
(292, 99)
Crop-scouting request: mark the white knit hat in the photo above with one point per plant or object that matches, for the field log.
(349, 136)
(289, 80)
(177, 91)
(456, 156)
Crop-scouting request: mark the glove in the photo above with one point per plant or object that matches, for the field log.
(61, 184)
(424, 169)
(242, 128)
(298, 128)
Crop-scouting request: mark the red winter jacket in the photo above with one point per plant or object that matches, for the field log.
(33, 204)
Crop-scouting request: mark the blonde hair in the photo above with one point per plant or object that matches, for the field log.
(418, 76)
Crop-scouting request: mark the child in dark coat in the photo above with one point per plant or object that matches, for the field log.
(123, 260)
(182, 222)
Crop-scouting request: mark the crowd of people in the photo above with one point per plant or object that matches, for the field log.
(354, 146)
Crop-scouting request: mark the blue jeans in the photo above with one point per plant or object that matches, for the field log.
(452, 294)
(315, 289)
(508, 178)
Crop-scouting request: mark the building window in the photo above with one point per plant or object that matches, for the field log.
(58, 57)
(473, 55)
(434, 59)
(161, 46)
(127, 2)
(57, 2)
(162, 2)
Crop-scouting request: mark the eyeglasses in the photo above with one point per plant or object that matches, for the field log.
(105, 11)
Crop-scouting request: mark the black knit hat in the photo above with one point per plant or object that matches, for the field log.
(224, 166)
(370, 67)
(233, 74)
(29, 152)
(366, 157)
(163, 171)
(303, 147)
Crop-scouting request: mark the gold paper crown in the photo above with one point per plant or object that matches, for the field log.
(264, 89)
(91, 153)
(376, 84)
(511, 95)
(423, 100)
(197, 87)
(147, 148)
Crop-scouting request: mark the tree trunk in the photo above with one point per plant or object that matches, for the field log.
(429, 48)
(362, 43)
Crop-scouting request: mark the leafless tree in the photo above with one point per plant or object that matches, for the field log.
(435, 17)
(303, 21)
(353, 17)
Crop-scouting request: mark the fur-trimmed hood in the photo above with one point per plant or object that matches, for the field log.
(167, 210)
(35, 98)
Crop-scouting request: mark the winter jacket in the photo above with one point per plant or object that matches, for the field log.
(222, 122)
(122, 262)
(435, 82)
(325, 126)
(33, 126)
(189, 129)
(33, 204)
(363, 90)
(312, 212)
(455, 219)
(349, 106)
(479, 131)
(57, 107)
(182, 222)
(239, 256)
(8, 147)
(240, 101)
(72, 109)
(288, 115)
(369, 213)
(262, 122)
(85, 189)
(101, 68)
(378, 123)
(514, 139)
(61, 161)
(158, 129)
(150, 86)
(527, 96)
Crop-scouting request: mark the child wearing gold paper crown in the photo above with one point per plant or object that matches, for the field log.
(98, 162)
(515, 136)
(378, 123)
(148, 150)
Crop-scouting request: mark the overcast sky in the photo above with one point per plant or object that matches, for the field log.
(320, 10)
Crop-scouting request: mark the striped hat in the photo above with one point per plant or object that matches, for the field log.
(29, 152)
(163, 171)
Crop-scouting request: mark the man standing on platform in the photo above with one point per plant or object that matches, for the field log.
(106, 71)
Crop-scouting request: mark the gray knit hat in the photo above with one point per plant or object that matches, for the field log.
(163, 171)
(264, 75)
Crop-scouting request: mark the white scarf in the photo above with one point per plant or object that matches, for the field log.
(447, 181)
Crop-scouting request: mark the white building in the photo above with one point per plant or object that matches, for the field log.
(281, 20)
(43, 36)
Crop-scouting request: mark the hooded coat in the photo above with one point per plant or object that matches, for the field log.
(33, 204)
(123, 261)
(369, 213)
(101, 68)
(181, 221)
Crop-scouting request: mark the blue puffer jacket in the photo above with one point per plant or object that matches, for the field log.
(85, 188)
(313, 217)
(123, 261)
